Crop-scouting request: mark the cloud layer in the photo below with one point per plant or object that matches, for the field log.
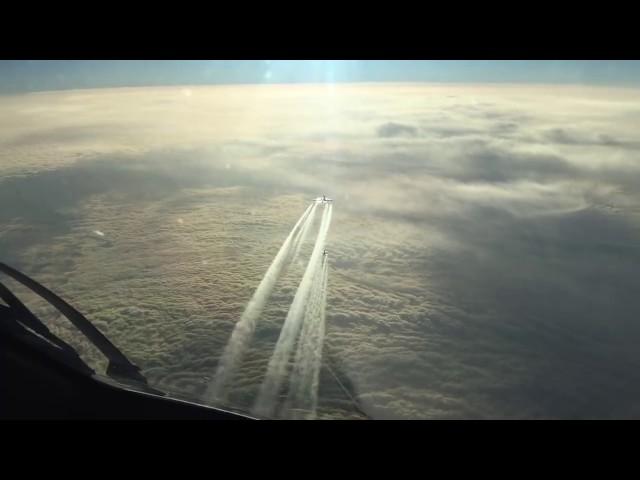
(482, 247)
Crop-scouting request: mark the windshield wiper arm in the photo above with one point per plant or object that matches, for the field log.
(28, 319)
(23, 324)
(119, 366)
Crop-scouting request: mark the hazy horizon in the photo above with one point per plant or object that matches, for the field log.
(46, 75)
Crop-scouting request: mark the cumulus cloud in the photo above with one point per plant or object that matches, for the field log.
(392, 129)
(573, 137)
(482, 255)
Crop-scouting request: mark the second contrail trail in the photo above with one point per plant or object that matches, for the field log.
(303, 233)
(276, 371)
(245, 327)
(302, 399)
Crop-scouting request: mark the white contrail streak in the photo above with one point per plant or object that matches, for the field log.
(306, 217)
(245, 327)
(301, 238)
(277, 368)
(303, 386)
(310, 316)
(318, 341)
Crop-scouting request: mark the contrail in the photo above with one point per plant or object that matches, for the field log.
(310, 316)
(303, 233)
(245, 327)
(277, 368)
(318, 341)
(302, 400)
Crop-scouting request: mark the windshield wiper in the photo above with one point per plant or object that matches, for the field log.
(120, 368)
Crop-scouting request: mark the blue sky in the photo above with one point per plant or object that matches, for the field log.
(26, 76)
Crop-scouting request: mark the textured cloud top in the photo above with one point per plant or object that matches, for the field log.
(483, 246)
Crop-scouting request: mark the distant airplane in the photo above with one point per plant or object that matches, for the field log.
(324, 199)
